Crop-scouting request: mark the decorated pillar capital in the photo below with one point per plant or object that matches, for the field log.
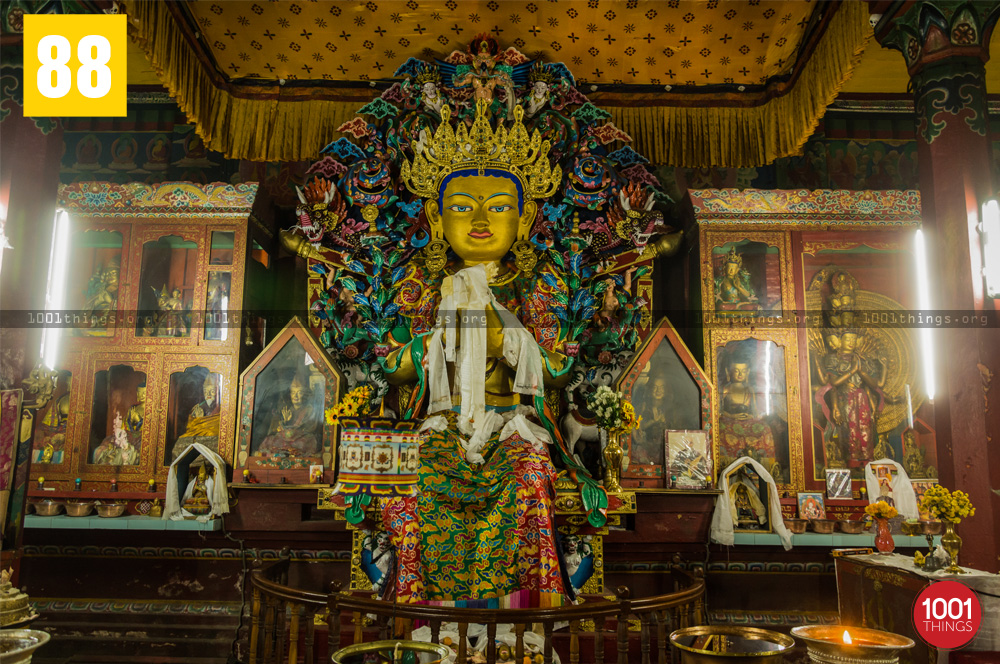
(934, 31)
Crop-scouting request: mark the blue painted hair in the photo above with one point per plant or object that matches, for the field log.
(489, 172)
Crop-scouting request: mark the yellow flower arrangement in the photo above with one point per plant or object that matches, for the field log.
(629, 419)
(612, 412)
(947, 505)
(881, 510)
(356, 403)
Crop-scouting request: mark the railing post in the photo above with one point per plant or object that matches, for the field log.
(623, 615)
(293, 634)
(661, 635)
(309, 641)
(279, 631)
(644, 637)
(599, 626)
(574, 642)
(463, 637)
(519, 643)
(333, 620)
(359, 635)
(547, 643)
(254, 624)
(269, 617)
(491, 642)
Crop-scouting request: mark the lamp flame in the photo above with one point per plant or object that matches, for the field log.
(847, 638)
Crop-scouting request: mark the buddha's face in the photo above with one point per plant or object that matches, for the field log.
(297, 395)
(479, 217)
(140, 394)
(209, 391)
(849, 342)
(740, 371)
(732, 269)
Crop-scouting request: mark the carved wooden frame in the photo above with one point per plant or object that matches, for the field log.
(664, 331)
(334, 385)
(787, 339)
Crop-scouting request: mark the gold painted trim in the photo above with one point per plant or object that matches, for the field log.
(787, 339)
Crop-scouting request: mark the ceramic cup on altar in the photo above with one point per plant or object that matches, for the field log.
(744, 645)
(837, 644)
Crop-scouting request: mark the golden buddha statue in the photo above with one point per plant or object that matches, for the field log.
(198, 495)
(732, 286)
(460, 309)
(102, 296)
(202, 424)
(742, 429)
(474, 349)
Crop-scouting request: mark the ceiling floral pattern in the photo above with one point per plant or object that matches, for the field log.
(677, 42)
(734, 83)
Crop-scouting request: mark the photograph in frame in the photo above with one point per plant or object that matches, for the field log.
(689, 459)
(838, 484)
(811, 505)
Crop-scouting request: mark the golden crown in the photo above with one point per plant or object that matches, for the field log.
(733, 257)
(481, 149)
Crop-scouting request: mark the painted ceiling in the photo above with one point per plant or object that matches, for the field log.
(653, 42)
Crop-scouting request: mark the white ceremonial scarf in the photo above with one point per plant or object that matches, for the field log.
(464, 299)
(903, 494)
(722, 519)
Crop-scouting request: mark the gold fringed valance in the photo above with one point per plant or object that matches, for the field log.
(746, 136)
(273, 123)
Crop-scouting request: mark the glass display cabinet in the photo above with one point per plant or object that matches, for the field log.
(285, 435)
(150, 357)
(670, 391)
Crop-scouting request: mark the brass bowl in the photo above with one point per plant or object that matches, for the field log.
(823, 526)
(17, 645)
(356, 654)
(931, 527)
(796, 526)
(79, 509)
(710, 643)
(911, 528)
(853, 527)
(47, 507)
(825, 644)
(111, 509)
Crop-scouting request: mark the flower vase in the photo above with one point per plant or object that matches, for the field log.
(952, 544)
(883, 537)
(613, 455)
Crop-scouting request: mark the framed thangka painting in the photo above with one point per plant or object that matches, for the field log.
(744, 274)
(756, 379)
(868, 401)
(670, 391)
(284, 397)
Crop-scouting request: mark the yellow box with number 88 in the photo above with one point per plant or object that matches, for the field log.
(74, 65)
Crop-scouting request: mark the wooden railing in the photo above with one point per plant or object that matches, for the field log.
(283, 624)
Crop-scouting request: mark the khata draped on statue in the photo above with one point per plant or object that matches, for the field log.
(466, 295)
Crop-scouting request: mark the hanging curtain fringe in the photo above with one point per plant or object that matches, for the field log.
(291, 129)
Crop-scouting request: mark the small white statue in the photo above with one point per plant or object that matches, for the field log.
(538, 98)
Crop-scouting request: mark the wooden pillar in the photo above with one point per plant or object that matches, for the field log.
(946, 45)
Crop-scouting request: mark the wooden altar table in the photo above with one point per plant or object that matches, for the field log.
(879, 591)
